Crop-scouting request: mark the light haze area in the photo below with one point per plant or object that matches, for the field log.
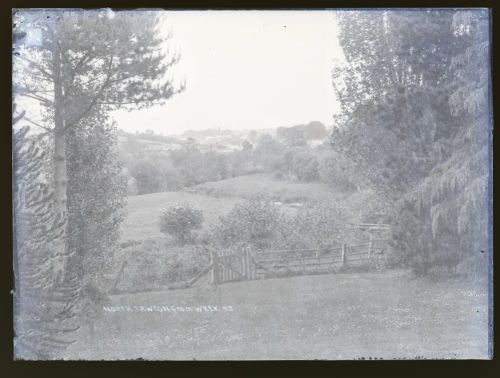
(245, 70)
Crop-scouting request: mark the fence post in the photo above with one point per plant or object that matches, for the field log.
(119, 276)
(214, 273)
(344, 250)
(370, 246)
(247, 263)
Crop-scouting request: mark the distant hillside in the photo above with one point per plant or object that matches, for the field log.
(312, 130)
(201, 134)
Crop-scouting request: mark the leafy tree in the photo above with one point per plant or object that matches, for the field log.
(96, 196)
(241, 162)
(392, 92)
(303, 164)
(180, 221)
(455, 193)
(216, 166)
(255, 222)
(315, 130)
(189, 162)
(268, 152)
(399, 130)
(292, 136)
(87, 61)
(173, 180)
(320, 225)
(148, 176)
(339, 172)
(267, 145)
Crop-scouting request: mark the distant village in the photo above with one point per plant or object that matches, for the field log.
(220, 140)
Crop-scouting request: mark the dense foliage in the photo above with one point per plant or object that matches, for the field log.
(254, 223)
(408, 80)
(96, 196)
(44, 306)
(83, 65)
(88, 63)
(174, 164)
(180, 221)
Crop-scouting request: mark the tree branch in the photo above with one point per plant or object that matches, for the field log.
(24, 92)
(37, 124)
(83, 59)
(36, 76)
(38, 67)
(123, 78)
(94, 100)
(16, 119)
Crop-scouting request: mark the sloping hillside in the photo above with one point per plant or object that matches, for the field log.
(356, 205)
(143, 211)
(214, 199)
(217, 198)
(264, 184)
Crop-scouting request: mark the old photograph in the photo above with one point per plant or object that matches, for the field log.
(252, 185)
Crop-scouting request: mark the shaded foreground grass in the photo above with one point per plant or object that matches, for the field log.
(337, 316)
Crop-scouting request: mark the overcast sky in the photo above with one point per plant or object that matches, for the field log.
(246, 69)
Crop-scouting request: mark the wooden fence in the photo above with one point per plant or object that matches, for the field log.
(250, 265)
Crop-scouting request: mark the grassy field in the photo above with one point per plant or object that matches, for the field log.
(336, 316)
(143, 211)
(339, 316)
(216, 199)
(264, 184)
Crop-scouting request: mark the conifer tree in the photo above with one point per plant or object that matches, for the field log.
(44, 309)
(455, 193)
(86, 61)
(414, 94)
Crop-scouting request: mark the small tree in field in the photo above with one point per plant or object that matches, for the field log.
(180, 221)
(255, 222)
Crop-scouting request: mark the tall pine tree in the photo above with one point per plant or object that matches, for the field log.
(87, 61)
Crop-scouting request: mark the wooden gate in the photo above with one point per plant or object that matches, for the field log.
(232, 267)
(248, 265)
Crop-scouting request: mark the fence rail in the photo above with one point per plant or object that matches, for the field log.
(250, 265)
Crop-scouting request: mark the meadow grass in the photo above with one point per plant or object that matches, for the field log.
(336, 316)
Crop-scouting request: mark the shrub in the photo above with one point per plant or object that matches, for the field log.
(292, 136)
(303, 164)
(149, 178)
(268, 153)
(255, 222)
(180, 221)
(317, 225)
(338, 172)
(151, 266)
